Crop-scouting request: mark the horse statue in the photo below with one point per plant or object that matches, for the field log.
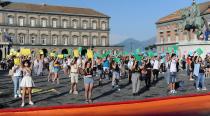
(193, 21)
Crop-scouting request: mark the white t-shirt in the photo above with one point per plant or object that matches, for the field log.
(173, 66)
(18, 71)
(130, 64)
(156, 64)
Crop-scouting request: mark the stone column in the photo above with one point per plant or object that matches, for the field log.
(49, 42)
(38, 41)
(60, 41)
(70, 39)
(27, 23)
(49, 22)
(59, 22)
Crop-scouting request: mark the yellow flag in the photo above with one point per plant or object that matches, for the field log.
(76, 53)
(25, 52)
(18, 54)
(60, 56)
(52, 54)
(41, 52)
(17, 61)
(90, 54)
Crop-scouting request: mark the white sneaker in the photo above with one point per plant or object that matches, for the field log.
(75, 92)
(174, 91)
(204, 89)
(23, 104)
(15, 96)
(31, 103)
(197, 89)
(70, 92)
(19, 95)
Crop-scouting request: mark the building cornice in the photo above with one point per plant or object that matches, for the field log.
(56, 29)
(52, 13)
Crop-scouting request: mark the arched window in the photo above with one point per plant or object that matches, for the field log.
(85, 40)
(75, 23)
(103, 41)
(94, 24)
(32, 21)
(103, 25)
(21, 21)
(44, 39)
(44, 22)
(10, 20)
(33, 38)
(94, 40)
(21, 37)
(75, 40)
(65, 23)
(54, 39)
(54, 23)
(65, 39)
(84, 23)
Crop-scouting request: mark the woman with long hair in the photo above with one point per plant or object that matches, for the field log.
(56, 69)
(27, 83)
(51, 69)
(135, 78)
(115, 75)
(88, 81)
(199, 72)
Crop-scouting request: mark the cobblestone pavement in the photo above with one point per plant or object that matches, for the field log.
(52, 94)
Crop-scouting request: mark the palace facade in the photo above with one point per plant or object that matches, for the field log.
(170, 32)
(53, 28)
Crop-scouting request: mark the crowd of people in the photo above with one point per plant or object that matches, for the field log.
(136, 70)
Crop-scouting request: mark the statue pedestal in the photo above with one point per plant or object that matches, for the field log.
(185, 47)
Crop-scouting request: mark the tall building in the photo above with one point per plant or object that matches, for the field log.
(170, 32)
(52, 28)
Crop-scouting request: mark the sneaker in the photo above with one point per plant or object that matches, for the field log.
(23, 104)
(174, 91)
(204, 89)
(191, 79)
(31, 103)
(75, 92)
(15, 96)
(70, 92)
(171, 92)
(197, 89)
(19, 95)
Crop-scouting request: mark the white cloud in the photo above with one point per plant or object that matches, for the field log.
(117, 38)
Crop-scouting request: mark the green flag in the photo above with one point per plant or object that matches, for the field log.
(137, 57)
(80, 49)
(65, 55)
(125, 53)
(150, 53)
(138, 51)
(117, 60)
(199, 51)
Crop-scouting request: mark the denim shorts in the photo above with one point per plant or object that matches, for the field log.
(172, 78)
(116, 75)
(88, 80)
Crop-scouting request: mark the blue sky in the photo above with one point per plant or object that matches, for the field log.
(129, 18)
